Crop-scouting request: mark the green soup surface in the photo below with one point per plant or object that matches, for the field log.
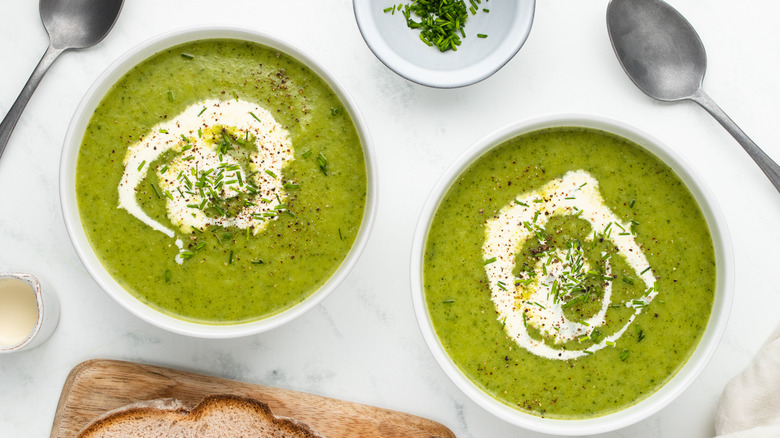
(227, 274)
(657, 211)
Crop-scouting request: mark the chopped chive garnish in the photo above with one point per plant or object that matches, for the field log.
(490, 260)
(163, 131)
(587, 351)
(306, 154)
(631, 204)
(254, 116)
(503, 323)
(141, 166)
(610, 343)
(187, 56)
(156, 192)
(440, 22)
(273, 175)
(628, 280)
(448, 301)
(624, 354)
(202, 111)
(167, 275)
(521, 203)
(481, 35)
(646, 269)
(257, 262)
(323, 163)
(291, 186)
(640, 334)
(170, 96)
(340, 236)
(573, 301)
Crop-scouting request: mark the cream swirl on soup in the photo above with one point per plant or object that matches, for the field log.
(224, 169)
(538, 297)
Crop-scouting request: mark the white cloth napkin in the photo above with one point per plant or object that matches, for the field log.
(750, 403)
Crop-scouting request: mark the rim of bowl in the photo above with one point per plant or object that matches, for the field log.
(442, 78)
(709, 340)
(69, 204)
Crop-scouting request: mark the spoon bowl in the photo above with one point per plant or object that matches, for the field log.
(78, 24)
(71, 24)
(669, 67)
(664, 56)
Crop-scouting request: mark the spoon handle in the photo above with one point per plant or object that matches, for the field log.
(770, 168)
(9, 122)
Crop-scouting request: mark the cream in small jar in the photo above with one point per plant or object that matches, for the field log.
(18, 311)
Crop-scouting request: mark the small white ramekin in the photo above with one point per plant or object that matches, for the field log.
(507, 27)
(48, 308)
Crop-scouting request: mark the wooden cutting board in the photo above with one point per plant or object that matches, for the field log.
(100, 385)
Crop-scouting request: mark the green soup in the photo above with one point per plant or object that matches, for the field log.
(603, 294)
(224, 273)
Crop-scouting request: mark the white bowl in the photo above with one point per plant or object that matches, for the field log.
(507, 26)
(709, 341)
(68, 183)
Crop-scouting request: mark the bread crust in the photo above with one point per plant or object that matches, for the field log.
(215, 415)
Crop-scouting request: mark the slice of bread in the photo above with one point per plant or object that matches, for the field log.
(215, 416)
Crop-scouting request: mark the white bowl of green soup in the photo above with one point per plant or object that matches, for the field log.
(571, 274)
(218, 182)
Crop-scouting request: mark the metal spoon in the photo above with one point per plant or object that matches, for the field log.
(71, 24)
(662, 53)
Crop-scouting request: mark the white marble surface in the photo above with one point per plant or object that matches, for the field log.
(362, 343)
